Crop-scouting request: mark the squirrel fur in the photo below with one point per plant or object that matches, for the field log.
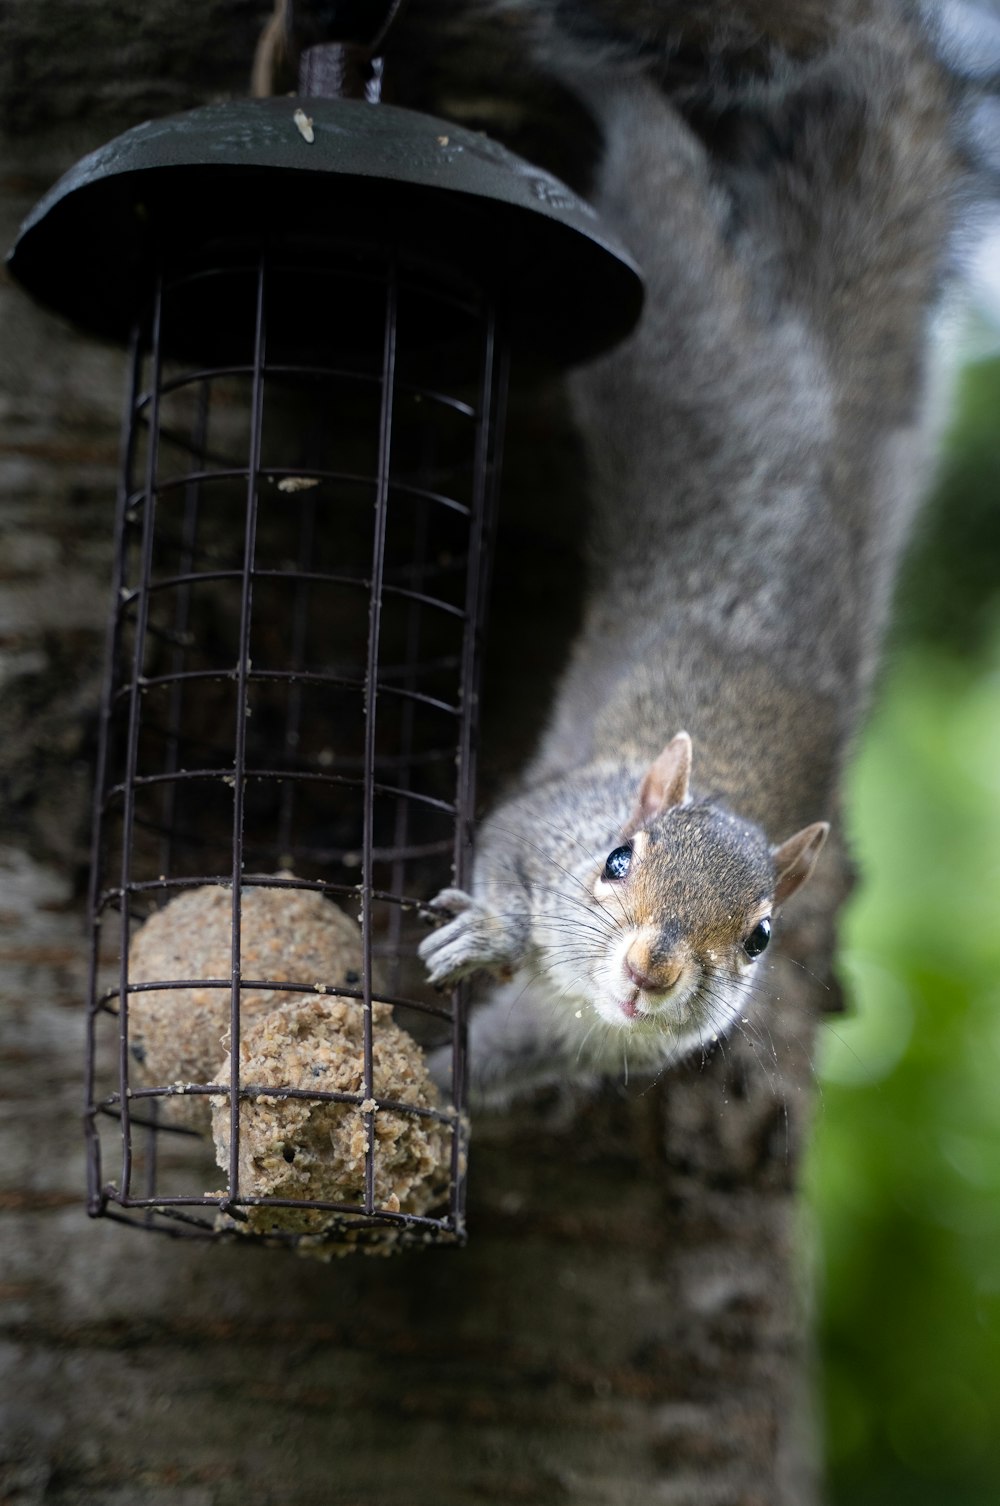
(755, 453)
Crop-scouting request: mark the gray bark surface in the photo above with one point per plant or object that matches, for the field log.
(626, 1322)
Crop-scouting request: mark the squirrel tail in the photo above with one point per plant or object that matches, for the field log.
(831, 185)
(709, 56)
(793, 233)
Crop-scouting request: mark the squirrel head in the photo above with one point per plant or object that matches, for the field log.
(688, 896)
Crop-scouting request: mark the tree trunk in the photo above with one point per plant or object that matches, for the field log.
(626, 1323)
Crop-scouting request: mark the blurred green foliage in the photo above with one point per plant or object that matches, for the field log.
(904, 1175)
(950, 589)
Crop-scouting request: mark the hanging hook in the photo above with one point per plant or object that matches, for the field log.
(335, 45)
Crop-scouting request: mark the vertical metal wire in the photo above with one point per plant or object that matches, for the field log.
(293, 714)
(371, 697)
(489, 409)
(407, 721)
(95, 1196)
(152, 1160)
(192, 493)
(242, 712)
(489, 434)
(134, 718)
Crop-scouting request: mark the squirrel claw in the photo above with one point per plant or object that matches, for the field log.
(447, 905)
(469, 939)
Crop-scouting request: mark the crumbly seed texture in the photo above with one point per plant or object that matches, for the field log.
(314, 1150)
(176, 1035)
(317, 1150)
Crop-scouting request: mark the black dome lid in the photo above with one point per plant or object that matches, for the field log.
(242, 172)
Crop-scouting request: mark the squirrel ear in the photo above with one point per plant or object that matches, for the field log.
(795, 859)
(665, 782)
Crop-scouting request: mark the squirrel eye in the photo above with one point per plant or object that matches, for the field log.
(618, 864)
(757, 941)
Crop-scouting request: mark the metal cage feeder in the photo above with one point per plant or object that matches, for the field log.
(319, 309)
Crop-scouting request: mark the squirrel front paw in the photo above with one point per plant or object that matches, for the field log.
(472, 939)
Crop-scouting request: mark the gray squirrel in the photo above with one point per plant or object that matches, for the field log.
(755, 452)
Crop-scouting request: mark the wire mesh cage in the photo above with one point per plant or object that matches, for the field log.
(287, 751)
(256, 722)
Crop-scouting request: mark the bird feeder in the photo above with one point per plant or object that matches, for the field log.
(320, 298)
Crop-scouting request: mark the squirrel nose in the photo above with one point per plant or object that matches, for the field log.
(655, 979)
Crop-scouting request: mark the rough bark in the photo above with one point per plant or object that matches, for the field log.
(625, 1324)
